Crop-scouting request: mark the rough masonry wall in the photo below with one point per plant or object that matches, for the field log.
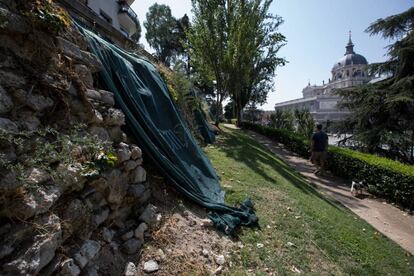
(73, 192)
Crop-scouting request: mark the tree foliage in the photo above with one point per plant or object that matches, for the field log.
(383, 112)
(282, 120)
(305, 124)
(235, 43)
(165, 33)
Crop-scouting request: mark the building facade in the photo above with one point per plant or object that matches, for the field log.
(118, 13)
(350, 70)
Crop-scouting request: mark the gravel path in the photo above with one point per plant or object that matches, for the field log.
(387, 219)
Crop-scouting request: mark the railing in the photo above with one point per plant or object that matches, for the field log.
(125, 8)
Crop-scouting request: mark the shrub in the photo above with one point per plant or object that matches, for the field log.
(385, 178)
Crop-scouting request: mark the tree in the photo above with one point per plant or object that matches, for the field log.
(207, 39)
(383, 112)
(236, 43)
(229, 110)
(282, 120)
(164, 32)
(305, 123)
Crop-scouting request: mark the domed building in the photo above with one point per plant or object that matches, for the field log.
(350, 70)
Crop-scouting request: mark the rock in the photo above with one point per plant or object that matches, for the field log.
(38, 102)
(91, 270)
(84, 74)
(75, 217)
(7, 125)
(100, 184)
(5, 250)
(130, 269)
(32, 259)
(149, 215)
(144, 197)
(99, 132)
(100, 218)
(131, 246)
(28, 120)
(6, 103)
(91, 61)
(139, 175)
(93, 94)
(9, 182)
(68, 268)
(220, 260)
(116, 134)
(36, 201)
(8, 153)
(95, 117)
(130, 165)
(10, 79)
(128, 235)
(107, 97)
(13, 23)
(114, 117)
(69, 49)
(19, 96)
(151, 266)
(136, 190)
(118, 186)
(136, 152)
(160, 254)
(71, 178)
(205, 253)
(139, 232)
(123, 153)
(37, 176)
(107, 234)
(87, 252)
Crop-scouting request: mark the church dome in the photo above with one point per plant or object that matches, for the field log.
(350, 57)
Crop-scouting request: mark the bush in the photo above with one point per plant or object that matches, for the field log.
(385, 178)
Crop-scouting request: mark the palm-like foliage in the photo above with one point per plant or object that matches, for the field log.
(383, 112)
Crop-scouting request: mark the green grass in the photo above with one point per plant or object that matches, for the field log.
(327, 238)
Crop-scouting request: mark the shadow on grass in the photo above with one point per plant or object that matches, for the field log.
(239, 147)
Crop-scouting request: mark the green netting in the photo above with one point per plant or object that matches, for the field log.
(200, 117)
(156, 123)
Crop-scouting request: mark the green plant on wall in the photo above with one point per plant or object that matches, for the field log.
(47, 15)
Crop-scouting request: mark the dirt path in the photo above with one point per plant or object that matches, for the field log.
(387, 219)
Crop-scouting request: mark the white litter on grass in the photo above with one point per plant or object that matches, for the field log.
(260, 245)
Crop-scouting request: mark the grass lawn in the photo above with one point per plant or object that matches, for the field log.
(301, 230)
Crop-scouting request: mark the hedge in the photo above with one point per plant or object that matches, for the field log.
(385, 178)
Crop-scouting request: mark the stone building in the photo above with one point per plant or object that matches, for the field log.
(350, 70)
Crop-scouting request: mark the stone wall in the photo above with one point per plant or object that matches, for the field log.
(73, 191)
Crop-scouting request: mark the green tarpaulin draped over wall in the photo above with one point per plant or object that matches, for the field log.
(163, 134)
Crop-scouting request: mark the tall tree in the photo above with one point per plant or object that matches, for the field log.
(236, 42)
(161, 26)
(383, 112)
(207, 45)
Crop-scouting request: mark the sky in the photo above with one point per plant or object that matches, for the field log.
(316, 32)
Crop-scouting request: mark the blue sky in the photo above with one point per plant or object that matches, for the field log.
(316, 32)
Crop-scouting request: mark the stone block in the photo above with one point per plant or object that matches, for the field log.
(87, 252)
(7, 125)
(6, 103)
(91, 61)
(107, 97)
(84, 75)
(131, 246)
(69, 49)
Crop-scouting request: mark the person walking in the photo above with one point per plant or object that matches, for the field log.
(319, 148)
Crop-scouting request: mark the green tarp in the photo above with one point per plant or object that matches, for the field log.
(162, 133)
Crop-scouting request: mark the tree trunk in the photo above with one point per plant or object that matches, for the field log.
(217, 120)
